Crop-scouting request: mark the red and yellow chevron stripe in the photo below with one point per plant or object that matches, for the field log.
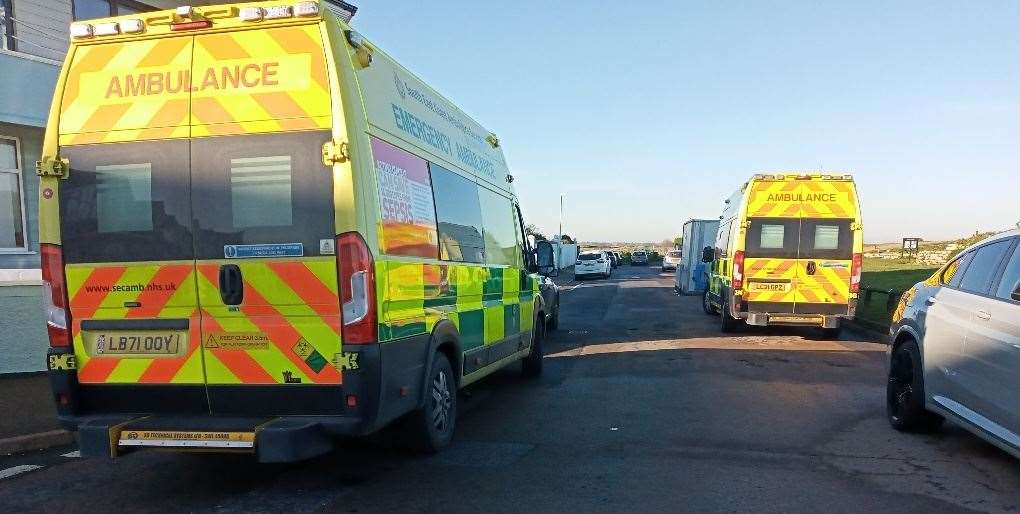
(288, 323)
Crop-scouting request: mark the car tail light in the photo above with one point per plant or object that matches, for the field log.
(356, 273)
(855, 273)
(58, 318)
(738, 270)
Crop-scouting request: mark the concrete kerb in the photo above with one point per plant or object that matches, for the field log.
(39, 441)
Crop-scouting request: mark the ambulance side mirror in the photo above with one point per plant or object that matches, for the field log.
(1016, 292)
(708, 254)
(545, 263)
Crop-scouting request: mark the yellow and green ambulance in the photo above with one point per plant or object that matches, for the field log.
(788, 252)
(260, 232)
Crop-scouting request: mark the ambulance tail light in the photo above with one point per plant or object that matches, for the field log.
(58, 317)
(855, 273)
(356, 273)
(737, 282)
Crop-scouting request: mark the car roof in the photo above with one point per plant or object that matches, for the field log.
(996, 237)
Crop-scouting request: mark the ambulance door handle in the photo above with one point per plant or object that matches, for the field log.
(231, 284)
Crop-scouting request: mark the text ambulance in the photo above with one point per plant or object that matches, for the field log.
(259, 232)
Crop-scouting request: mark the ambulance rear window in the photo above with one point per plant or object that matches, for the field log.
(773, 238)
(126, 202)
(826, 239)
(261, 189)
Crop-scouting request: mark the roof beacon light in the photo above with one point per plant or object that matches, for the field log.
(277, 12)
(131, 26)
(306, 9)
(81, 30)
(107, 29)
(185, 11)
(251, 14)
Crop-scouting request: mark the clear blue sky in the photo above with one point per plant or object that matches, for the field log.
(648, 113)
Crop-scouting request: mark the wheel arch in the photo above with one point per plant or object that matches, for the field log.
(445, 339)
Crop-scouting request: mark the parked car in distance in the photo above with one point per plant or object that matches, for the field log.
(639, 257)
(671, 260)
(613, 259)
(955, 349)
(593, 264)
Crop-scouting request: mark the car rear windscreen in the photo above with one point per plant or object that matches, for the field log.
(589, 257)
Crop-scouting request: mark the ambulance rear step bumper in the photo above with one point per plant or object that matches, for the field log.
(813, 320)
(270, 439)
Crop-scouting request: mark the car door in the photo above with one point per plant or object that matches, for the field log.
(770, 260)
(823, 266)
(945, 331)
(993, 346)
(976, 372)
(267, 273)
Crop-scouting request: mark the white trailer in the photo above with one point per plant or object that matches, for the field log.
(691, 274)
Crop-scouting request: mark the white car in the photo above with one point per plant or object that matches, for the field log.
(671, 260)
(592, 264)
(955, 349)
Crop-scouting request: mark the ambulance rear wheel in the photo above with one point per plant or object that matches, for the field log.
(728, 323)
(431, 427)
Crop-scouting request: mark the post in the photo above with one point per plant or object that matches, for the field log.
(561, 216)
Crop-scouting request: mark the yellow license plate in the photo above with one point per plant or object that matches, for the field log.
(768, 287)
(145, 343)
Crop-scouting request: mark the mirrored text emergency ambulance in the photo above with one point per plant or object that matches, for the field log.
(259, 231)
(788, 252)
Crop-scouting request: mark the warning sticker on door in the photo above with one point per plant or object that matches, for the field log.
(266, 250)
(237, 341)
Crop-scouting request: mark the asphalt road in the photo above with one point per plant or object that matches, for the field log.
(643, 407)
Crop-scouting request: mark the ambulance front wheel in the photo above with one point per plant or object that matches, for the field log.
(432, 426)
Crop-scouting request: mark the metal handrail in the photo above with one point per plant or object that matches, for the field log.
(892, 296)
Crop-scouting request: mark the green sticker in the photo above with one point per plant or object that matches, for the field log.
(316, 361)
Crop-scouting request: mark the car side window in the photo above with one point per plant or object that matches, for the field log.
(1010, 278)
(953, 273)
(977, 278)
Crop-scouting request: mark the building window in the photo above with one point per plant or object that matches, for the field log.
(7, 25)
(12, 219)
(88, 9)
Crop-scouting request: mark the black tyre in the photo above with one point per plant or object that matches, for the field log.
(431, 427)
(905, 392)
(706, 304)
(728, 323)
(554, 321)
(531, 366)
